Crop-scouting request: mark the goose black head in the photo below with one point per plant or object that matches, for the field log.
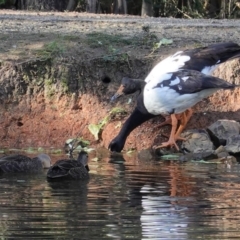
(128, 86)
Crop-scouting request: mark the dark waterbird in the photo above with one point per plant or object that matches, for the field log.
(23, 164)
(70, 168)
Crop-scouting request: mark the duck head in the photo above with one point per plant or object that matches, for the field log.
(45, 160)
(128, 86)
(83, 158)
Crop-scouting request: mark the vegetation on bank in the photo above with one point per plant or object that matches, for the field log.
(111, 44)
(52, 69)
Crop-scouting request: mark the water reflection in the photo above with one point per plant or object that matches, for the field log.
(130, 197)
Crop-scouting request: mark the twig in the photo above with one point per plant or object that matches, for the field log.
(186, 15)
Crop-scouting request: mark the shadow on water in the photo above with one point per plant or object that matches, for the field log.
(133, 196)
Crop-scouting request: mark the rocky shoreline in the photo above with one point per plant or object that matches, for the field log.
(219, 140)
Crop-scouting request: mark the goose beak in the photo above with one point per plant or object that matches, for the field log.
(117, 94)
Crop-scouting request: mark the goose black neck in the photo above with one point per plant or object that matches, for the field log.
(136, 119)
(132, 85)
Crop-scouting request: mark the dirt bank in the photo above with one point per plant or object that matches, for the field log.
(52, 67)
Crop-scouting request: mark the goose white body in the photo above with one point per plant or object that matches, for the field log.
(164, 100)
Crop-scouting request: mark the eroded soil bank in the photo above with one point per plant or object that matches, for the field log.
(53, 69)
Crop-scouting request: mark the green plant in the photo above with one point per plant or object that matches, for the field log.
(163, 41)
(96, 129)
(77, 144)
(49, 82)
(64, 83)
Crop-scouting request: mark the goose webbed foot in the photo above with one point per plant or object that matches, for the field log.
(169, 143)
(168, 121)
(175, 137)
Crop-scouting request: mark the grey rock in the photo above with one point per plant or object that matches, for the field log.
(198, 142)
(221, 130)
(233, 144)
(221, 152)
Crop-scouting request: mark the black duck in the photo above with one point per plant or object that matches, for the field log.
(23, 164)
(70, 169)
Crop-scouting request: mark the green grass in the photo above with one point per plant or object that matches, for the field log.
(107, 41)
(114, 44)
(50, 50)
(71, 38)
(3, 37)
(98, 39)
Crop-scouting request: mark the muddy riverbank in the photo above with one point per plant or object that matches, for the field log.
(53, 69)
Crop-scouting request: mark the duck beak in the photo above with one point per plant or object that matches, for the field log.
(117, 94)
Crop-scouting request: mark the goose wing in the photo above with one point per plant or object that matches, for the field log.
(204, 59)
(190, 81)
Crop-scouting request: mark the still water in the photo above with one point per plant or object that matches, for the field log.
(128, 197)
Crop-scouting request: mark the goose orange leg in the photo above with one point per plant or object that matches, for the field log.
(175, 133)
(183, 122)
(183, 118)
(171, 141)
(168, 120)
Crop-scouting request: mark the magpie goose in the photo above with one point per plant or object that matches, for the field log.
(169, 94)
(203, 59)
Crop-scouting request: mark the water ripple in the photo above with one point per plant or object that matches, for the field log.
(126, 198)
